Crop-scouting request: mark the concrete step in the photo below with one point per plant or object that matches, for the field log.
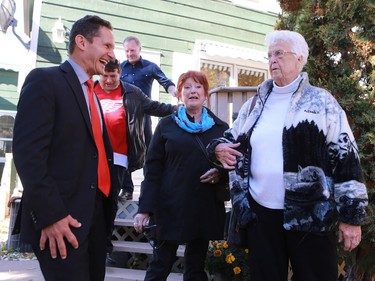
(140, 247)
(126, 274)
(124, 222)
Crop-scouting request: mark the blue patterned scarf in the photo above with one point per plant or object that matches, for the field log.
(184, 123)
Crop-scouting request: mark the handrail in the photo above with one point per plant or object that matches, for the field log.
(233, 89)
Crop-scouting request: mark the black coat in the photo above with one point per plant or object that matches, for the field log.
(184, 208)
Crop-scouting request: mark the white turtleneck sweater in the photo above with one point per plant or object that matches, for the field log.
(266, 182)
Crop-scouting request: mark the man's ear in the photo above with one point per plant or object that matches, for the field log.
(80, 41)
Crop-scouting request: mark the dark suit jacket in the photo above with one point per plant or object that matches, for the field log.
(55, 154)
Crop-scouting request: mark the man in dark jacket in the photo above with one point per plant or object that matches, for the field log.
(141, 73)
(124, 107)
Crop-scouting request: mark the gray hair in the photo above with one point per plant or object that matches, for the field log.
(132, 38)
(295, 39)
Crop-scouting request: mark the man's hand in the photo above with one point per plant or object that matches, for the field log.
(172, 90)
(227, 154)
(141, 220)
(350, 235)
(55, 234)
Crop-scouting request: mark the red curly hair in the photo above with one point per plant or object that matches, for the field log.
(199, 77)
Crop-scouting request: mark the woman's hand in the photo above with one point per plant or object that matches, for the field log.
(350, 235)
(226, 154)
(211, 176)
(141, 220)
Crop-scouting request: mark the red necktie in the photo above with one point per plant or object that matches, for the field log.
(104, 179)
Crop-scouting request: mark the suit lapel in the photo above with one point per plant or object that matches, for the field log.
(73, 81)
(75, 85)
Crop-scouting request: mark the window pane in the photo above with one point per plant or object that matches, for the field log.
(217, 75)
(247, 77)
(6, 126)
(5, 147)
(6, 134)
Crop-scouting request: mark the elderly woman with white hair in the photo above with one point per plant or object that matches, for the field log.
(292, 149)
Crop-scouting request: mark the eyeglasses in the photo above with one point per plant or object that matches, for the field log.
(278, 54)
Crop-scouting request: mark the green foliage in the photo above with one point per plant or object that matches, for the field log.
(341, 35)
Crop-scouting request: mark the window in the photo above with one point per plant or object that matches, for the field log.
(231, 66)
(250, 76)
(6, 132)
(218, 74)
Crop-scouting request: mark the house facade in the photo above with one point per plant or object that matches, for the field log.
(224, 38)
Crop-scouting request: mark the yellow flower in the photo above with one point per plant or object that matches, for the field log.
(230, 258)
(246, 251)
(217, 253)
(225, 245)
(237, 270)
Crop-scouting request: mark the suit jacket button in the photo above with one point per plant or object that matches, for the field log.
(95, 155)
(33, 217)
(93, 186)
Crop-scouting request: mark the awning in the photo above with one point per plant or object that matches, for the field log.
(213, 48)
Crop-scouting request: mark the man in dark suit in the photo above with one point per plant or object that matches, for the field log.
(66, 216)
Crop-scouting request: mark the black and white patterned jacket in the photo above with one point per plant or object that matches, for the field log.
(322, 172)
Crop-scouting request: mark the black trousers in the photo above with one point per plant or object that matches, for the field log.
(312, 257)
(165, 255)
(87, 263)
(127, 183)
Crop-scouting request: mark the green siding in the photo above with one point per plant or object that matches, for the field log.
(8, 89)
(161, 25)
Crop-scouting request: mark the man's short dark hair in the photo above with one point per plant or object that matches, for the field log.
(112, 65)
(88, 27)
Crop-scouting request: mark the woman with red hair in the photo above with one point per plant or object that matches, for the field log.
(179, 192)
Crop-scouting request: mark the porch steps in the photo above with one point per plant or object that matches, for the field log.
(140, 247)
(129, 246)
(126, 274)
(124, 231)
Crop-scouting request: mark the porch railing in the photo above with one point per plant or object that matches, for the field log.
(225, 102)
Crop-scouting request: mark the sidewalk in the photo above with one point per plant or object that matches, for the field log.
(20, 270)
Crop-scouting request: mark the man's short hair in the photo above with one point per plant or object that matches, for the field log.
(112, 65)
(132, 38)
